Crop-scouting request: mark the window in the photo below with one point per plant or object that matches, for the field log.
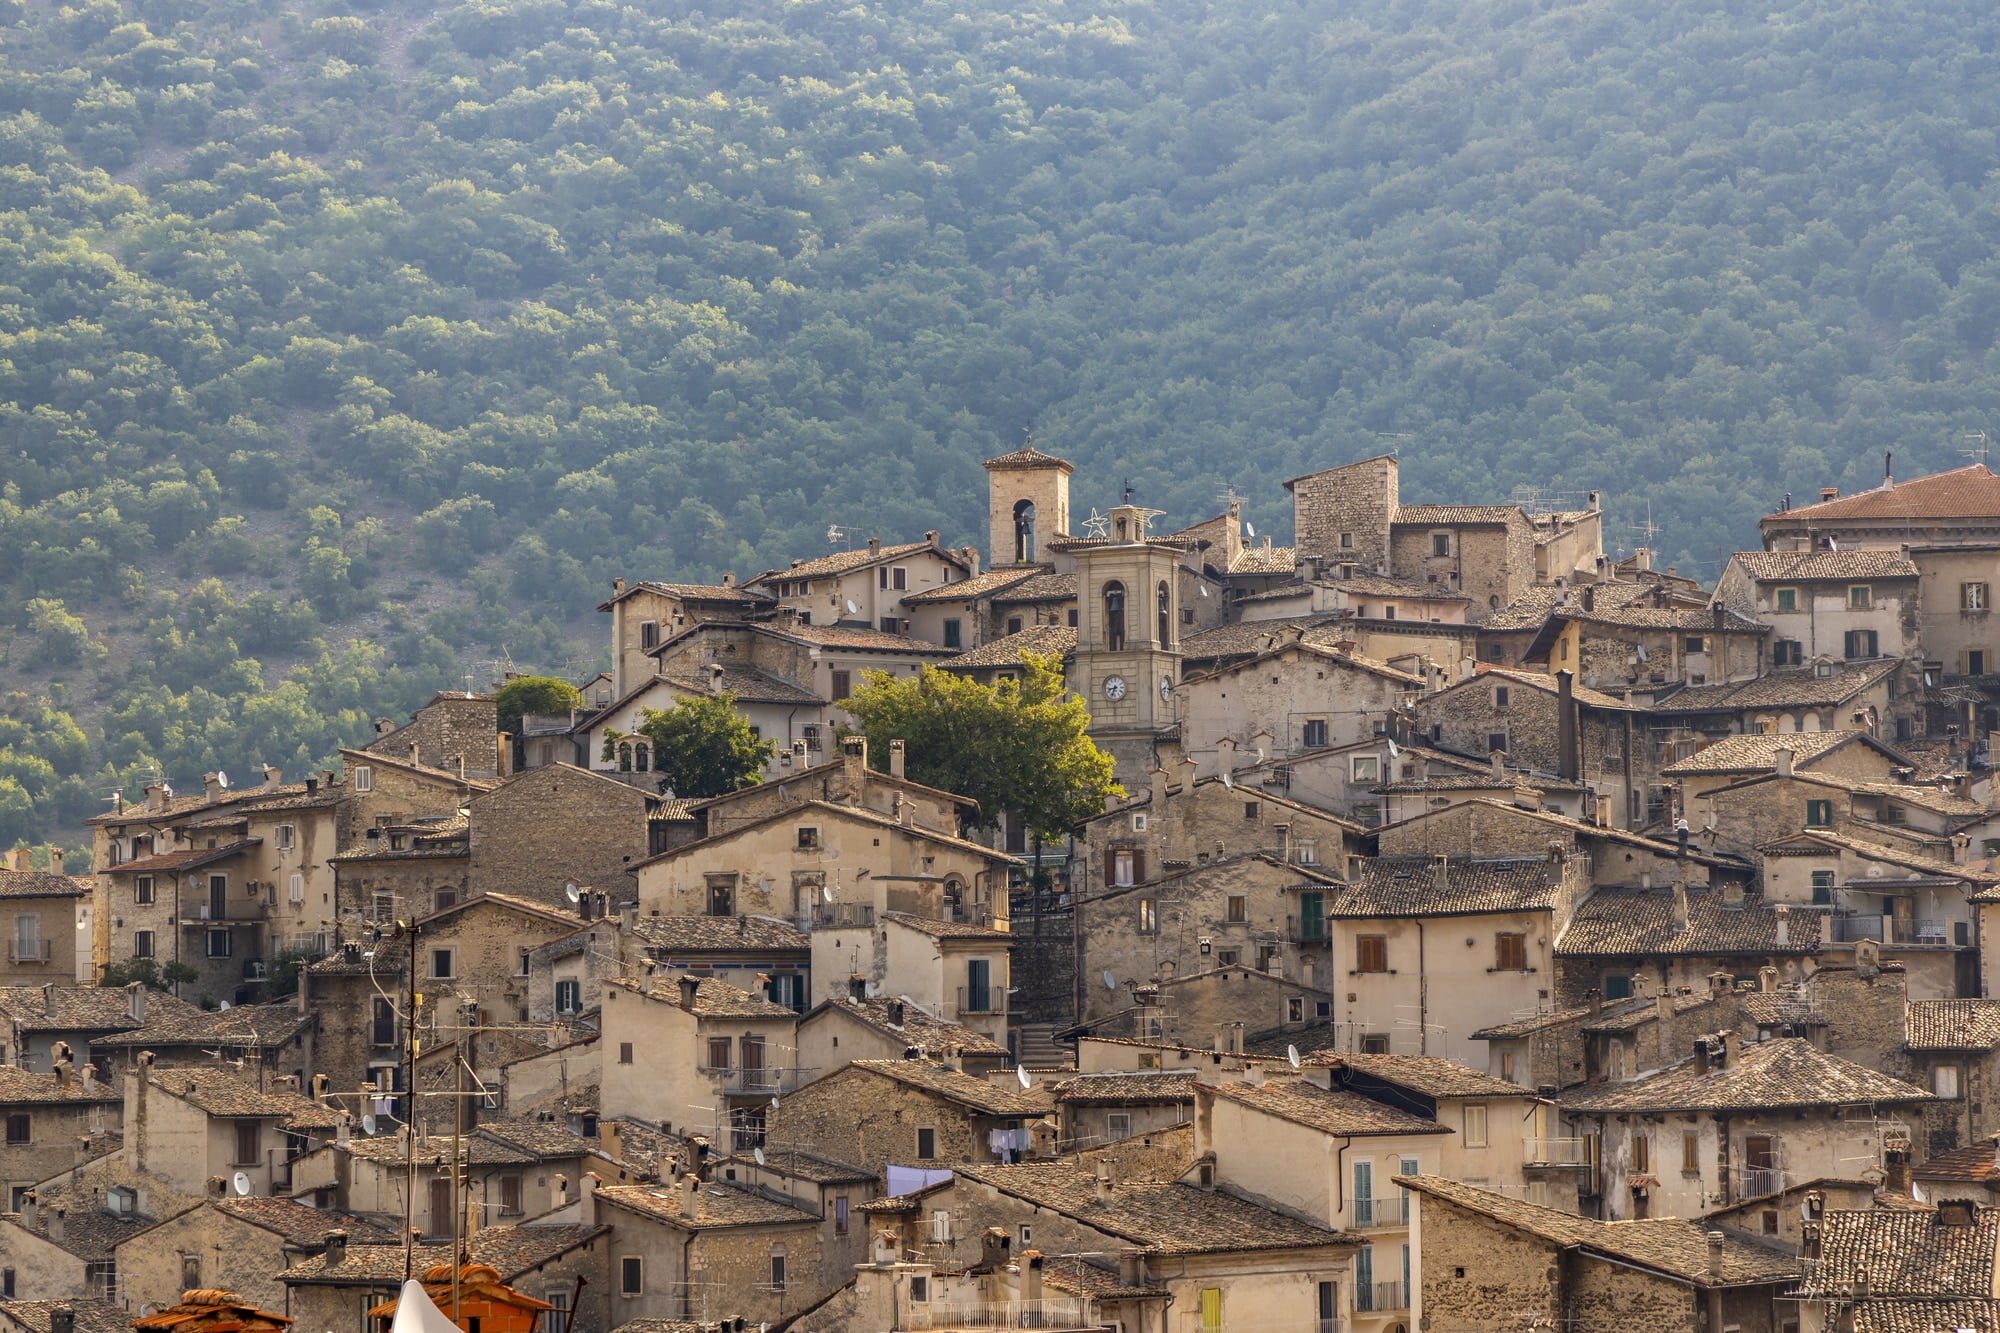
(777, 1251)
(287, 837)
(441, 963)
(649, 635)
(17, 1129)
(7, 1276)
(248, 1150)
(624, 1052)
(1642, 1154)
(569, 996)
(953, 635)
(1364, 1194)
(1388, 612)
(808, 837)
(1014, 623)
(718, 1053)
(1374, 1043)
(219, 944)
(1250, 810)
(1694, 643)
(1858, 598)
(631, 1275)
(1507, 1065)
(1787, 652)
(1227, 957)
(522, 965)
(295, 888)
(1819, 814)
(218, 897)
(510, 1194)
(1510, 953)
(1125, 866)
(142, 944)
(1944, 1081)
(1371, 953)
(920, 1288)
(1475, 1124)
(843, 686)
(1314, 735)
(1149, 916)
(1346, 541)
(382, 1024)
(1788, 599)
(1295, 1009)
(1440, 543)
(1024, 532)
(898, 578)
(142, 889)
(1211, 1310)
(1365, 768)
(1860, 643)
(1496, 742)
(1501, 696)
(1165, 617)
(926, 1144)
(1364, 1274)
(809, 733)
(1975, 663)
(364, 778)
(1305, 852)
(1236, 908)
(721, 895)
(1114, 616)
(1690, 1152)
(101, 1277)
(1822, 888)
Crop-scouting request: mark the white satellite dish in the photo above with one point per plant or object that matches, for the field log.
(368, 1124)
(1202, 588)
(826, 892)
(1292, 1054)
(573, 893)
(241, 1183)
(1226, 781)
(758, 1153)
(1022, 1075)
(222, 1006)
(774, 1103)
(1249, 528)
(222, 780)
(1110, 982)
(1392, 750)
(852, 609)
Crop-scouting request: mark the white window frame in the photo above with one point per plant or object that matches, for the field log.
(1364, 768)
(364, 778)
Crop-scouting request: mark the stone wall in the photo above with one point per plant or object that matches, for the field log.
(449, 729)
(1359, 499)
(870, 1120)
(555, 825)
(1045, 969)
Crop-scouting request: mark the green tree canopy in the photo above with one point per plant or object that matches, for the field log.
(1018, 746)
(703, 747)
(533, 694)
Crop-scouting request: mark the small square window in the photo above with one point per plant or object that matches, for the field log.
(1859, 598)
(1496, 742)
(1236, 909)
(1365, 768)
(1371, 953)
(364, 778)
(1250, 809)
(1440, 543)
(1314, 733)
(1787, 599)
(631, 1276)
(808, 837)
(1972, 597)
(441, 963)
(1819, 814)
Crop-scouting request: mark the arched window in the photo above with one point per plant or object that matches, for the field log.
(1166, 637)
(1114, 616)
(642, 757)
(1024, 532)
(624, 757)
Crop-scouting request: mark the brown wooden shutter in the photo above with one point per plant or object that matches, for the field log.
(1110, 866)
(1138, 865)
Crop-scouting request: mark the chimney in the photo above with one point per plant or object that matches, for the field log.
(343, 1131)
(1131, 1268)
(1031, 1280)
(211, 786)
(874, 546)
(1701, 1065)
(1960, 845)
(1957, 1212)
(1888, 472)
(1497, 761)
(1732, 892)
(156, 795)
(1723, 1043)
(1783, 756)
(312, 785)
(1767, 980)
(62, 1319)
(1596, 1000)
(1828, 493)
(31, 1210)
(1569, 761)
(970, 556)
(617, 586)
(336, 1247)
(690, 1195)
(857, 989)
(690, 987)
(854, 759)
(1527, 798)
(1103, 1183)
(1715, 1256)
(384, 725)
(897, 1014)
(1784, 927)
(56, 1224)
(135, 1002)
(896, 757)
(1680, 908)
(1157, 779)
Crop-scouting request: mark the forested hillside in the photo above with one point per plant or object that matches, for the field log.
(413, 325)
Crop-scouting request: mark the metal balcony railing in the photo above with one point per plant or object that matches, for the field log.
(1891, 930)
(1391, 1296)
(1758, 1181)
(839, 916)
(1306, 930)
(992, 1000)
(1382, 1211)
(31, 951)
(1066, 1312)
(1554, 1152)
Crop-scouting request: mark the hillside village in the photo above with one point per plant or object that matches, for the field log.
(1494, 934)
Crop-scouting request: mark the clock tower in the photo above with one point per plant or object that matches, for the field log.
(1127, 666)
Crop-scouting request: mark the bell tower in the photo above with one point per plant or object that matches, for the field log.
(1127, 665)
(1027, 505)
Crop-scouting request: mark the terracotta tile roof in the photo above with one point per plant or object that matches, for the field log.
(1026, 457)
(1676, 1247)
(1045, 587)
(1631, 1015)
(1921, 867)
(183, 860)
(1779, 1008)
(1445, 514)
(975, 1094)
(512, 1250)
(1687, 618)
(1145, 1088)
(1515, 780)
(1432, 1075)
(1247, 638)
(1904, 1315)
(1899, 1252)
(1042, 640)
(713, 998)
(720, 934)
(1973, 1164)
(1832, 566)
(91, 1315)
(221, 1092)
(933, 1036)
(745, 682)
(381, 958)
(1086, 1277)
(1801, 687)
(1167, 1218)
(1536, 680)
(1412, 886)
(546, 1139)
(1952, 1025)
(1529, 1026)
(42, 884)
(1265, 560)
(716, 1205)
(688, 592)
(1536, 604)
(19, 1087)
(89, 1233)
(859, 813)
(236, 1027)
(479, 1151)
(979, 585)
(1617, 921)
(80, 1008)
(1965, 492)
(946, 930)
(302, 1224)
(1786, 1071)
(1330, 1112)
(1757, 752)
(805, 1166)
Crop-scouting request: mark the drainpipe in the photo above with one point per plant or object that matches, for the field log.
(1423, 995)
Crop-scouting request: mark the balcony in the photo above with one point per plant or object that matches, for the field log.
(843, 916)
(1306, 930)
(1382, 1212)
(1066, 1312)
(1554, 1152)
(992, 1000)
(1380, 1297)
(31, 952)
(761, 1082)
(1757, 1181)
(1932, 931)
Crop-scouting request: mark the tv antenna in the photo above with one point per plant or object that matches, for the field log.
(839, 536)
(1975, 452)
(1650, 529)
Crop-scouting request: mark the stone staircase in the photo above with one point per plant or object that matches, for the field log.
(1037, 1048)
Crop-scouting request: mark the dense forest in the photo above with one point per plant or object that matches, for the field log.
(345, 348)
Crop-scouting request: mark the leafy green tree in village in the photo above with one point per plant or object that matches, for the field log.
(533, 694)
(1015, 746)
(703, 747)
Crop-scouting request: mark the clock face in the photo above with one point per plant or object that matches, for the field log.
(1166, 687)
(1114, 688)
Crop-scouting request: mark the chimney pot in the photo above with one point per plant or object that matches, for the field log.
(1715, 1239)
(336, 1248)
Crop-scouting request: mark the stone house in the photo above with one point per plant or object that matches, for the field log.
(1102, 1110)
(188, 1128)
(962, 615)
(1953, 1048)
(512, 1170)
(1425, 950)
(714, 1056)
(1822, 696)
(826, 863)
(1955, 609)
(561, 824)
(47, 918)
(959, 971)
(266, 1043)
(703, 1249)
(850, 1027)
(847, 779)
(1847, 604)
(908, 1113)
(543, 1258)
(865, 587)
(644, 614)
(1623, 938)
(1305, 696)
(1513, 635)
(402, 870)
(1230, 1008)
(453, 733)
(234, 1244)
(363, 981)
(1347, 780)
(1492, 781)
(52, 1122)
(1851, 754)
(608, 741)
(36, 1020)
(832, 1191)
(60, 1251)
(1957, 507)
(1344, 589)
(774, 957)
(82, 1315)
(1635, 649)
(1488, 1262)
(1247, 910)
(1736, 1121)
(1880, 1268)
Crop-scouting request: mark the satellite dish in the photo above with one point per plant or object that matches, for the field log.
(1022, 1075)
(826, 892)
(368, 1123)
(240, 1183)
(1292, 1054)
(1392, 749)
(222, 780)
(1226, 781)
(1249, 528)
(1110, 982)
(223, 1005)
(852, 609)
(573, 893)
(774, 1103)
(758, 1153)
